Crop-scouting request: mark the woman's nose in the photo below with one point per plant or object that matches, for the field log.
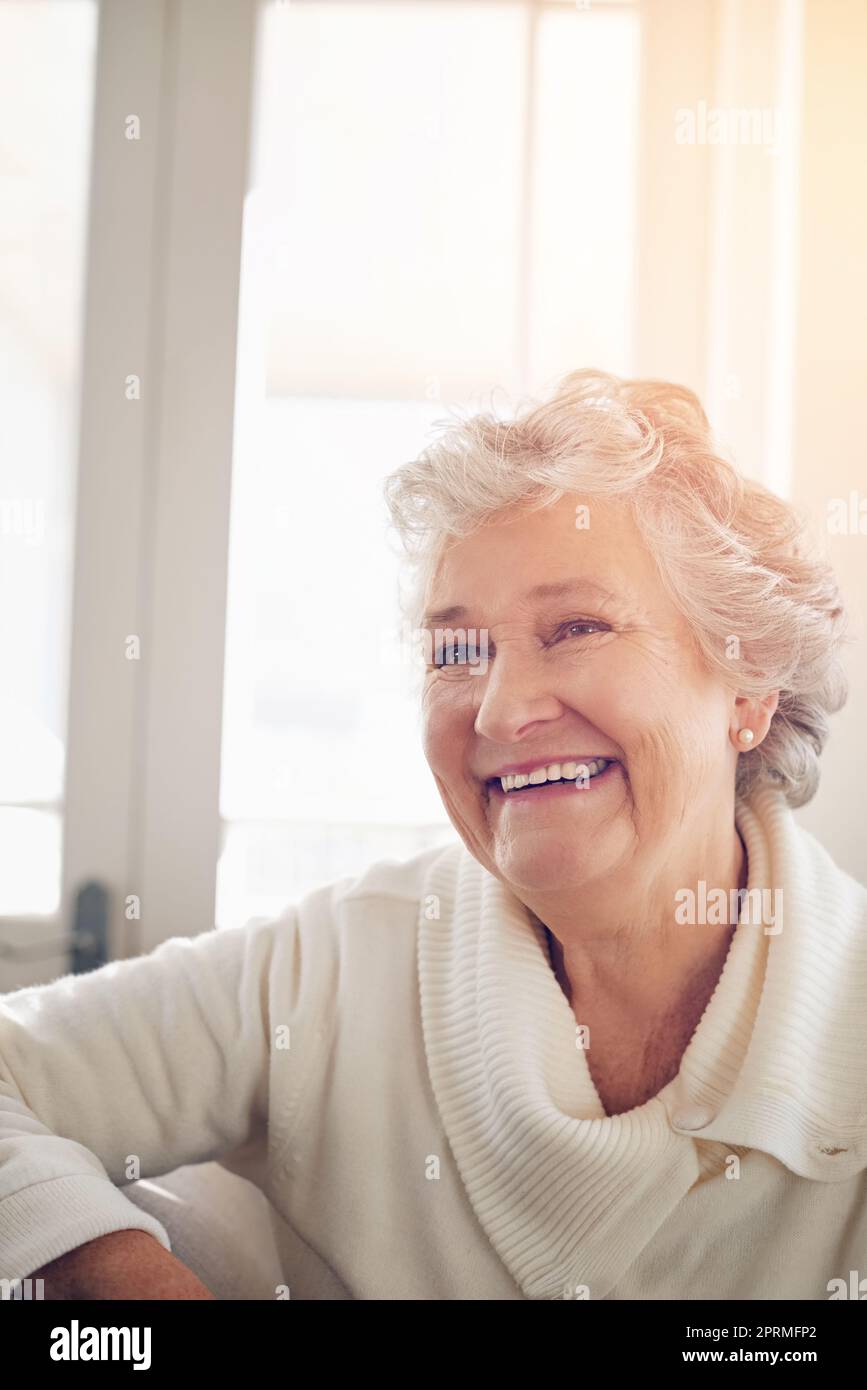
(514, 695)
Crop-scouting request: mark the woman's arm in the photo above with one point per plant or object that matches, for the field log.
(129, 1072)
(125, 1264)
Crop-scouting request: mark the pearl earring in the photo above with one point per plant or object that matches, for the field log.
(745, 736)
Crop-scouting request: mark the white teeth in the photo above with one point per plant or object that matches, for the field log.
(553, 772)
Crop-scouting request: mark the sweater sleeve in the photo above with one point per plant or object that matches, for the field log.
(128, 1072)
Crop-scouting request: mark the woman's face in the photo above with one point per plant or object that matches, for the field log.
(587, 658)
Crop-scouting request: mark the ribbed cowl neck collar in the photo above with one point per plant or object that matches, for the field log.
(569, 1196)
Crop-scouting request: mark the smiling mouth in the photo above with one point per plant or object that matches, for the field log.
(555, 775)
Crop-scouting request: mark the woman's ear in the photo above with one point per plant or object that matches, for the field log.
(752, 719)
(770, 703)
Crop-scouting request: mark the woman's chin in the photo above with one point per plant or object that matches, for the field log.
(550, 866)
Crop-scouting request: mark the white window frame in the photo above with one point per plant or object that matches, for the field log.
(154, 485)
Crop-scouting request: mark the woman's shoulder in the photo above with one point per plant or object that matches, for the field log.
(355, 937)
(387, 880)
(827, 877)
(797, 858)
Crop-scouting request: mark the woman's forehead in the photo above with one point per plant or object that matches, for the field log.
(543, 554)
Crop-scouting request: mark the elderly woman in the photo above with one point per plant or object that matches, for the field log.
(610, 1044)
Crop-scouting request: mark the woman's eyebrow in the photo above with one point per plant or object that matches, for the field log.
(443, 615)
(567, 588)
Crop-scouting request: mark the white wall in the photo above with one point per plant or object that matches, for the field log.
(831, 373)
(752, 287)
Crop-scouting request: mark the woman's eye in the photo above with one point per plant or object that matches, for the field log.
(451, 654)
(582, 627)
(452, 650)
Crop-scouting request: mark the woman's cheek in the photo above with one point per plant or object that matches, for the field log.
(440, 720)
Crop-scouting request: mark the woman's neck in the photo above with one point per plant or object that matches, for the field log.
(631, 961)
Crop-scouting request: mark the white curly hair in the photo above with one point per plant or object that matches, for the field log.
(735, 558)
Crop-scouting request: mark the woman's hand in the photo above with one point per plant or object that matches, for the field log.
(124, 1264)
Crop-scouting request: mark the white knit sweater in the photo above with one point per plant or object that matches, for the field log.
(394, 1064)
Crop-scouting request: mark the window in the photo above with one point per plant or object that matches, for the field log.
(437, 198)
(405, 246)
(47, 59)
